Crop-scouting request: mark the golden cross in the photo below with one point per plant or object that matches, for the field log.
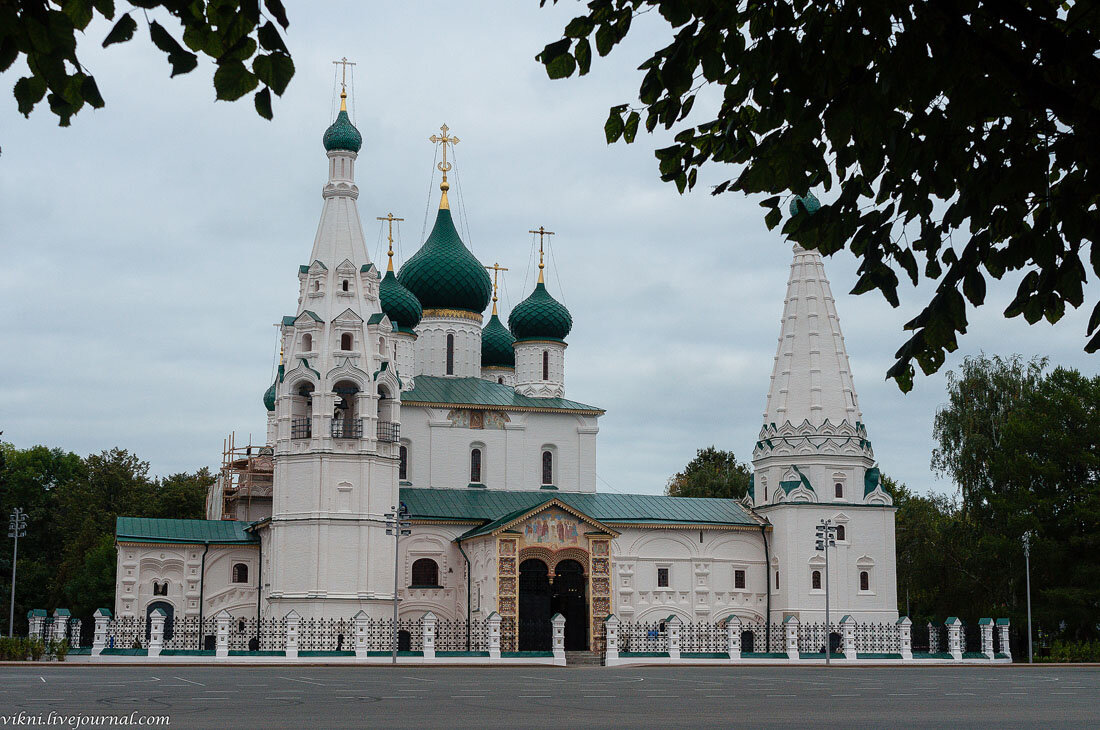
(389, 217)
(343, 82)
(445, 140)
(497, 268)
(543, 233)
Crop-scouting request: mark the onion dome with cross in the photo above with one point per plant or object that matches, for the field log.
(496, 340)
(398, 303)
(540, 316)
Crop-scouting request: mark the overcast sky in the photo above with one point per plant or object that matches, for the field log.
(149, 248)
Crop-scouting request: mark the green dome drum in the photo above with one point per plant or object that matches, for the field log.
(443, 274)
(540, 317)
(496, 345)
(399, 304)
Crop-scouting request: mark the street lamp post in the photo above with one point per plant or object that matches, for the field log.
(17, 528)
(826, 538)
(1027, 574)
(397, 524)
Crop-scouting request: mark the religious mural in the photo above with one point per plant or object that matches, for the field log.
(553, 530)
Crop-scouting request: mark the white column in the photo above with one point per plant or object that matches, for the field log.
(221, 648)
(674, 625)
(733, 637)
(156, 632)
(1006, 648)
(905, 637)
(36, 623)
(790, 624)
(429, 635)
(954, 638)
(985, 625)
(848, 637)
(99, 639)
(557, 623)
(292, 620)
(611, 634)
(60, 629)
(360, 620)
(494, 636)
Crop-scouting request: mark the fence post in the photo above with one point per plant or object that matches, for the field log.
(905, 637)
(99, 639)
(60, 629)
(1006, 648)
(74, 633)
(611, 634)
(429, 635)
(985, 625)
(36, 623)
(848, 637)
(674, 624)
(790, 624)
(557, 625)
(954, 637)
(292, 620)
(733, 637)
(221, 648)
(360, 620)
(156, 632)
(933, 639)
(494, 636)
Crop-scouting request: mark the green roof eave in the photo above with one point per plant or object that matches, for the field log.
(303, 269)
(521, 340)
(365, 268)
(432, 391)
(194, 532)
(375, 318)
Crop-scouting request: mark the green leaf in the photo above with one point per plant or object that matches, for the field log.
(182, 60)
(106, 8)
(584, 56)
(232, 81)
(91, 93)
(630, 130)
(79, 12)
(263, 103)
(122, 32)
(275, 7)
(613, 127)
(275, 70)
(561, 67)
(579, 27)
(270, 39)
(773, 218)
(29, 90)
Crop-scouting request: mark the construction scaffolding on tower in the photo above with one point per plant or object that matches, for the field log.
(243, 488)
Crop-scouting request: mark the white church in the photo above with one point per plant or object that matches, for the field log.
(394, 390)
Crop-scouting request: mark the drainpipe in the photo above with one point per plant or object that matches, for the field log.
(259, 585)
(202, 581)
(469, 607)
(768, 586)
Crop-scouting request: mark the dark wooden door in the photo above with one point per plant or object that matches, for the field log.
(570, 599)
(534, 606)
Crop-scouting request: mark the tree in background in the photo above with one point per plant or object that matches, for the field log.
(959, 136)
(712, 473)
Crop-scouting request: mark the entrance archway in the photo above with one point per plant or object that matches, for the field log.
(534, 606)
(169, 615)
(568, 597)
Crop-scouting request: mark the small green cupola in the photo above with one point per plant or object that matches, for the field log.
(398, 303)
(808, 203)
(342, 134)
(269, 394)
(540, 316)
(496, 345)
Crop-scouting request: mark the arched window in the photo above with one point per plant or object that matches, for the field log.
(240, 573)
(500, 381)
(840, 490)
(545, 364)
(345, 341)
(864, 580)
(815, 580)
(160, 589)
(450, 354)
(840, 532)
(777, 580)
(382, 347)
(307, 343)
(547, 467)
(344, 285)
(475, 466)
(403, 465)
(425, 573)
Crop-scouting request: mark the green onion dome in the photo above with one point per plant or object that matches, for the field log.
(540, 317)
(269, 394)
(342, 135)
(496, 345)
(443, 274)
(398, 303)
(810, 204)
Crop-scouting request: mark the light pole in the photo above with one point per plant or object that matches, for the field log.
(17, 528)
(826, 538)
(397, 524)
(1027, 573)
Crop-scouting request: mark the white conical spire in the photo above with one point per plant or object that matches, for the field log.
(811, 380)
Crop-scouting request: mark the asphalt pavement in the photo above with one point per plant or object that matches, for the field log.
(561, 698)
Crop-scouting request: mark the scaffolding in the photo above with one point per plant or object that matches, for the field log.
(247, 474)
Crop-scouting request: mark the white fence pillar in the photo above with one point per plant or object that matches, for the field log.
(494, 636)
(429, 635)
(674, 626)
(60, 630)
(293, 619)
(99, 639)
(222, 619)
(611, 634)
(954, 637)
(848, 637)
(1002, 627)
(985, 625)
(733, 637)
(156, 632)
(905, 637)
(790, 624)
(557, 625)
(360, 620)
(36, 623)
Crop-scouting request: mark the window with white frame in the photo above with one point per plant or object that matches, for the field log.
(739, 579)
(662, 576)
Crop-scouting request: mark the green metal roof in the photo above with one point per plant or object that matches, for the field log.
(871, 480)
(490, 505)
(496, 345)
(809, 204)
(399, 303)
(443, 274)
(540, 317)
(342, 135)
(148, 529)
(432, 390)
